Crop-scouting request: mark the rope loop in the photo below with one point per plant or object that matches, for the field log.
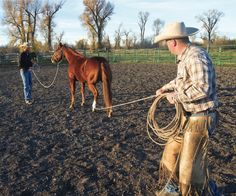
(54, 79)
(171, 130)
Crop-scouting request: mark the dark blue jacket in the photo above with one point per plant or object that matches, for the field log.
(25, 61)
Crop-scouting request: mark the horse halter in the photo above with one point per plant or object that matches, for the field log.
(56, 58)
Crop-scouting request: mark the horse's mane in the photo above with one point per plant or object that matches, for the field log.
(74, 51)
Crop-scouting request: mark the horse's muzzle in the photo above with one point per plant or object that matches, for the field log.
(53, 61)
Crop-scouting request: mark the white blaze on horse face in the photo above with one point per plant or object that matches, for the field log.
(53, 60)
(94, 105)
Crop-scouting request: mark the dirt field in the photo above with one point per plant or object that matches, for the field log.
(47, 150)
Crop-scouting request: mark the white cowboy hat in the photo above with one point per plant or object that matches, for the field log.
(25, 44)
(175, 30)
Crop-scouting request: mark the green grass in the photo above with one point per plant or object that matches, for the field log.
(224, 58)
(220, 57)
(163, 56)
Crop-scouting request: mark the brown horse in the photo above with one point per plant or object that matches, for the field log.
(86, 70)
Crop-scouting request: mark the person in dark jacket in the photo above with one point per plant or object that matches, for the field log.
(25, 65)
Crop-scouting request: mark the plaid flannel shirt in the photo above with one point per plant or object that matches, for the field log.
(195, 84)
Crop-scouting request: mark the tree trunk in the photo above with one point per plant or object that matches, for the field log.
(49, 35)
(209, 42)
(99, 39)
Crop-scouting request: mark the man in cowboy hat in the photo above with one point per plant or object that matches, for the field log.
(25, 65)
(183, 167)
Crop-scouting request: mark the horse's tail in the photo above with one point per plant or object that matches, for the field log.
(106, 86)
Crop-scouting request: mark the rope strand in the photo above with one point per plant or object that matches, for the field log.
(127, 103)
(53, 78)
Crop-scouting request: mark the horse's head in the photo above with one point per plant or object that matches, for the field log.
(58, 54)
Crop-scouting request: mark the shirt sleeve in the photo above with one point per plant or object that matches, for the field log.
(20, 61)
(169, 86)
(199, 72)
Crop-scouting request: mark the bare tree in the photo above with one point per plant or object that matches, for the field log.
(95, 17)
(33, 9)
(81, 44)
(143, 18)
(134, 38)
(47, 24)
(60, 37)
(209, 20)
(157, 25)
(118, 35)
(21, 18)
(12, 17)
(128, 40)
(107, 43)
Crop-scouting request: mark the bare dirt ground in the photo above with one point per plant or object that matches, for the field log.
(47, 150)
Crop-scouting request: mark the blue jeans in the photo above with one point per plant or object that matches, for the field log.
(27, 83)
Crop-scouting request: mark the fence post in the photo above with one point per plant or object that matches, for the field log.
(84, 51)
(158, 55)
(153, 59)
(219, 56)
(107, 51)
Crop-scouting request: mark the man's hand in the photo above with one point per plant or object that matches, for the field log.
(159, 92)
(171, 97)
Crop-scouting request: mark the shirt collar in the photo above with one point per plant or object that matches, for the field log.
(181, 57)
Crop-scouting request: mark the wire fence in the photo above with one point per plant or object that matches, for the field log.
(221, 56)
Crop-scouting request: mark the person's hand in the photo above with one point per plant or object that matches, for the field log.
(159, 92)
(171, 97)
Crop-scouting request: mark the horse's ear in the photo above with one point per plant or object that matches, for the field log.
(60, 44)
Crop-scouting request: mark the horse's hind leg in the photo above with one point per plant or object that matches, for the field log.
(72, 92)
(82, 85)
(93, 89)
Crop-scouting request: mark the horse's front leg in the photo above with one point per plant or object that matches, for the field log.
(82, 85)
(93, 89)
(72, 93)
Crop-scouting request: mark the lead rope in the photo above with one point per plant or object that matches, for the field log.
(127, 103)
(53, 78)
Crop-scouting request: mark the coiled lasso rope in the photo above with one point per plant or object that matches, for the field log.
(169, 131)
(163, 134)
(53, 78)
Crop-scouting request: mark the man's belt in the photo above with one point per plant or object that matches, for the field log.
(202, 113)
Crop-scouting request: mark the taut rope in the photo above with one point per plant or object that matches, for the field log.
(170, 130)
(53, 78)
(127, 103)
